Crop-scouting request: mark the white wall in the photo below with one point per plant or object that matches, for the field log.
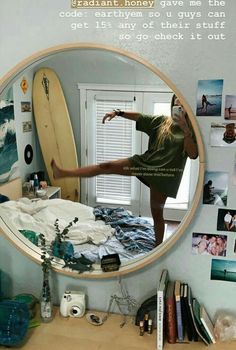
(29, 27)
(25, 138)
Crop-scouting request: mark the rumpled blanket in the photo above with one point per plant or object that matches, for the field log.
(135, 233)
(39, 216)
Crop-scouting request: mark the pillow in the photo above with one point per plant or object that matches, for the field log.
(3, 198)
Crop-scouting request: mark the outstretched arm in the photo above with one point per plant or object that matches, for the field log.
(127, 115)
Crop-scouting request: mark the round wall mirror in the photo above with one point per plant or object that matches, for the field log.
(95, 80)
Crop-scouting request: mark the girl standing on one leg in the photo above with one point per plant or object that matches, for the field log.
(171, 141)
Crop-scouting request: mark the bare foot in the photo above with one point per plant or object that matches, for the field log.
(55, 170)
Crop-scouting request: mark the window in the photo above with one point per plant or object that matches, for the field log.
(113, 140)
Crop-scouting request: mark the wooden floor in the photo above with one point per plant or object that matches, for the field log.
(77, 334)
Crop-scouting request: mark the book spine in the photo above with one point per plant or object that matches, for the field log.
(208, 331)
(171, 321)
(179, 321)
(160, 312)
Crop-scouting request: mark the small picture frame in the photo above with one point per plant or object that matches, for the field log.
(209, 98)
(230, 107)
(27, 126)
(25, 107)
(215, 190)
(223, 270)
(226, 220)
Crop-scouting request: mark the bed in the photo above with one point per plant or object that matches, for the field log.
(99, 231)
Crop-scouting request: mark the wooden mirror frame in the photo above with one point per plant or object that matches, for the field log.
(34, 252)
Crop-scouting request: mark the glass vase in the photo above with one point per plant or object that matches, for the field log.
(46, 306)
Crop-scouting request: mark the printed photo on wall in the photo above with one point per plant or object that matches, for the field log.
(226, 220)
(8, 148)
(215, 189)
(209, 97)
(209, 244)
(223, 135)
(25, 107)
(223, 270)
(27, 126)
(230, 107)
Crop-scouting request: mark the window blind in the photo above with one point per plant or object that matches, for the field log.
(113, 141)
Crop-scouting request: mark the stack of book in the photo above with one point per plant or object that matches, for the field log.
(180, 317)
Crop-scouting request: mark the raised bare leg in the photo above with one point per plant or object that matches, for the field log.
(120, 167)
(157, 202)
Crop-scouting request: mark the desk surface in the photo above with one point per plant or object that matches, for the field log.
(77, 334)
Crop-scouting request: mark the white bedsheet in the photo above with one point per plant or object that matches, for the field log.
(40, 216)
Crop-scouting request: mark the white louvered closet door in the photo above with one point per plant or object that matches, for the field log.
(116, 139)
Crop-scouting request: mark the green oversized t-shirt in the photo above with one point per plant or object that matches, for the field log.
(160, 166)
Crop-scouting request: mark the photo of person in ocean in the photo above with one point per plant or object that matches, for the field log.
(215, 191)
(171, 141)
(209, 97)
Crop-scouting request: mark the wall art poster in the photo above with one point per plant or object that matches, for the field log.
(27, 126)
(226, 220)
(223, 270)
(223, 135)
(8, 147)
(215, 189)
(209, 97)
(230, 107)
(25, 107)
(209, 244)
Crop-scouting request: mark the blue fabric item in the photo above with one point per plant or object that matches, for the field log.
(14, 322)
(135, 233)
(3, 198)
(65, 250)
(31, 236)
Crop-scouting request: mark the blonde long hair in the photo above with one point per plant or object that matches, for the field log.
(165, 130)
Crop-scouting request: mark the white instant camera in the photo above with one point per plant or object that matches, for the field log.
(72, 304)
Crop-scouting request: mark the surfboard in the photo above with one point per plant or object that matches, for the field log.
(54, 129)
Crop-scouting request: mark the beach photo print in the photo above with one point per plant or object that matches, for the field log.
(209, 98)
(226, 220)
(223, 270)
(8, 148)
(215, 190)
(230, 107)
(209, 244)
(223, 135)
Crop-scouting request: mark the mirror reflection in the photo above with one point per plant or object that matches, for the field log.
(136, 155)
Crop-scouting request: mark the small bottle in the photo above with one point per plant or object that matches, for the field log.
(31, 186)
(36, 183)
(141, 328)
(145, 322)
(150, 328)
